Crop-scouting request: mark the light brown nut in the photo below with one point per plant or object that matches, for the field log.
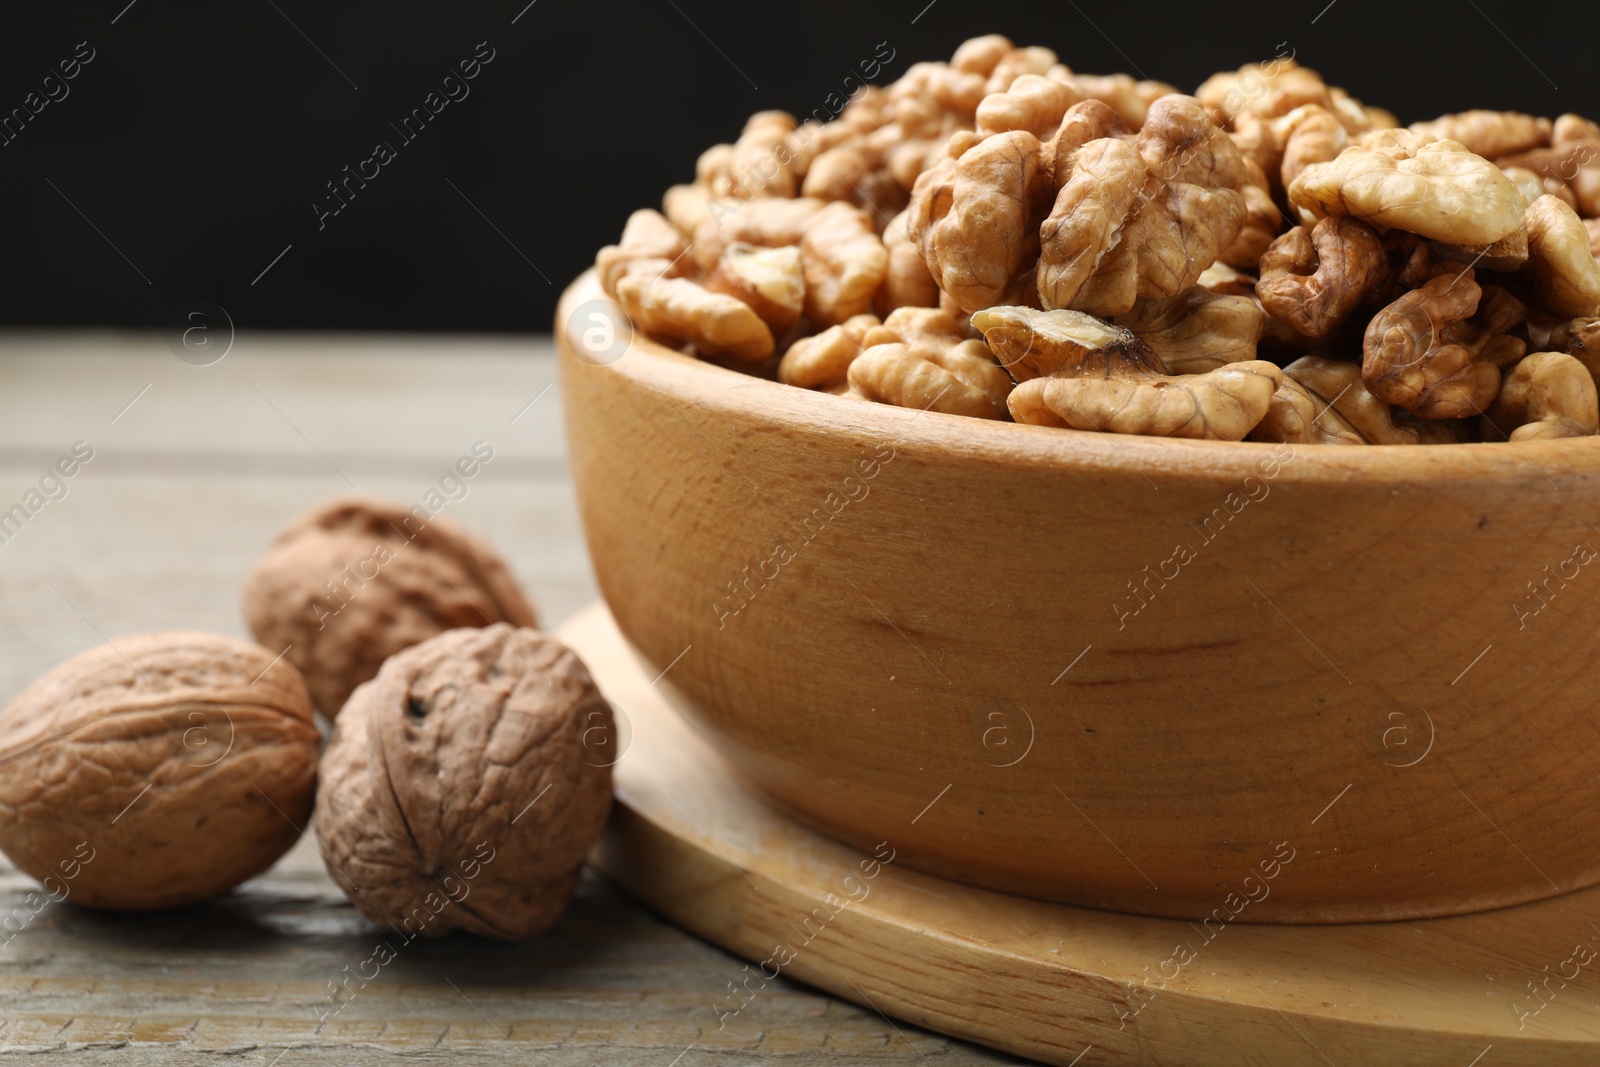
(758, 164)
(1315, 279)
(980, 55)
(1267, 91)
(1262, 221)
(946, 87)
(1546, 395)
(1593, 226)
(907, 282)
(960, 380)
(687, 207)
(844, 263)
(1311, 134)
(1032, 103)
(1099, 376)
(1017, 64)
(1142, 219)
(1427, 353)
(1491, 134)
(1438, 190)
(1197, 330)
(1130, 99)
(157, 772)
(647, 235)
(353, 581)
(1227, 281)
(1337, 382)
(1299, 416)
(823, 361)
(1532, 185)
(1572, 159)
(463, 785)
(768, 279)
(771, 222)
(679, 310)
(976, 218)
(1565, 273)
(856, 173)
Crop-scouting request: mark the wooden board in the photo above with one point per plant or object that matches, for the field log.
(1063, 984)
(188, 485)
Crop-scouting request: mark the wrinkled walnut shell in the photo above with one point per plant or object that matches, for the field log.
(156, 772)
(353, 581)
(463, 785)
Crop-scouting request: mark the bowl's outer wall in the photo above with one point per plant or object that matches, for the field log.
(868, 608)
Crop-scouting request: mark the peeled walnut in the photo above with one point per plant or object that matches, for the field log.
(1565, 273)
(1436, 353)
(976, 218)
(922, 358)
(1309, 135)
(906, 283)
(1197, 330)
(680, 310)
(844, 264)
(1224, 280)
(1491, 134)
(647, 236)
(1532, 186)
(1507, 254)
(758, 164)
(1299, 416)
(1262, 221)
(353, 581)
(157, 772)
(1130, 99)
(1338, 383)
(823, 361)
(1017, 64)
(769, 280)
(1032, 103)
(1314, 279)
(1098, 376)
(1546, 395)
(1141, 218)
(458, 791)
(1572, 158)
(1404, 181)
(771, 222)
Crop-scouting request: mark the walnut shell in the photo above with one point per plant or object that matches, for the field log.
(157, 772)
(350, 583)
(461, 789)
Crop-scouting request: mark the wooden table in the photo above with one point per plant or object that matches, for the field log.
(194, 471)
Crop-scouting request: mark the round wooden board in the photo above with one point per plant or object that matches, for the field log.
(1068, 985)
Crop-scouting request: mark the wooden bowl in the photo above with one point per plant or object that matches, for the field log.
(1183, 678)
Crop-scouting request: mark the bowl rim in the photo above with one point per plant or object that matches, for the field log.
(687, 380)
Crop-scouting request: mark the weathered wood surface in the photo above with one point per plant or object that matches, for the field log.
(187, 486)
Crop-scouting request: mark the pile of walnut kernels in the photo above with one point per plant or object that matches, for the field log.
(1268, 259)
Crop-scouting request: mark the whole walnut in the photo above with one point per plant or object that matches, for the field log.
(350, 583)
(463, 785)
(158, 771)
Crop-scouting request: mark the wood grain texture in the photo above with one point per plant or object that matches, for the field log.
(1141, 664)
(1058, 982)
(187, 486)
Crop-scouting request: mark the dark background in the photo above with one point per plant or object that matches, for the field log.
(199, 137)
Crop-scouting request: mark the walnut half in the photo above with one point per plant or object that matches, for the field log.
(1098, 376)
